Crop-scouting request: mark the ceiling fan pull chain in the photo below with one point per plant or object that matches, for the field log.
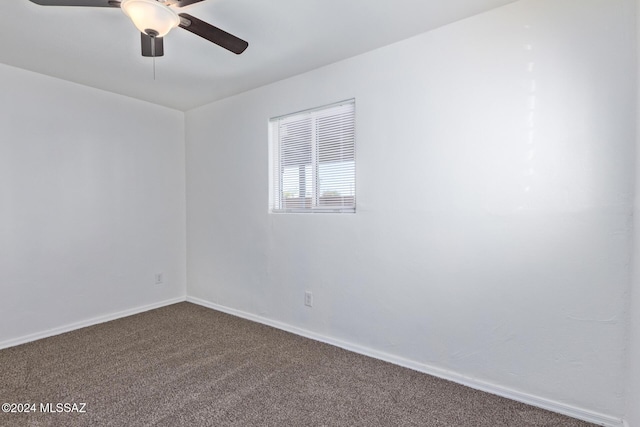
(153, 55)
(153, 34)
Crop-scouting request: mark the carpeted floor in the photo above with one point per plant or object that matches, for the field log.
(186, 365)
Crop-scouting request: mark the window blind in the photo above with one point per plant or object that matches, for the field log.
(313, 160)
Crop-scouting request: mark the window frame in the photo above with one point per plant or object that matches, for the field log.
(276, 170)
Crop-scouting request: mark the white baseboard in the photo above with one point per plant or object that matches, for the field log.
(559, 407)
(88, 322)
(540, 402)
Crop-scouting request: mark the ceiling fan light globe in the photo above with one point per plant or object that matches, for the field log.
(150, 15)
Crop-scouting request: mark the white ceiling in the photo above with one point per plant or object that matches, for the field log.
(100, 47)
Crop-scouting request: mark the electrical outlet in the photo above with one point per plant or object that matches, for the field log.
(308, 299)
(159, 278)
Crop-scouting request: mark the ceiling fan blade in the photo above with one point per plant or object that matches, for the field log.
(86, 3)
(213, 34)
(151, 46)
(181, 3)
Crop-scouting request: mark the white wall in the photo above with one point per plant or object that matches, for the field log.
(495, 180)
(633, 358)
(91, 204)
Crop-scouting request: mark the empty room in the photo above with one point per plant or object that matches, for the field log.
(323, 213)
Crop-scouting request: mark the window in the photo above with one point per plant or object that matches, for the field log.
(312, 159)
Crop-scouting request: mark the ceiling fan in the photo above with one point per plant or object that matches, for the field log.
(155, 18)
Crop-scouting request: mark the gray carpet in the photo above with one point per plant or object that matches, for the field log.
(186, 365)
